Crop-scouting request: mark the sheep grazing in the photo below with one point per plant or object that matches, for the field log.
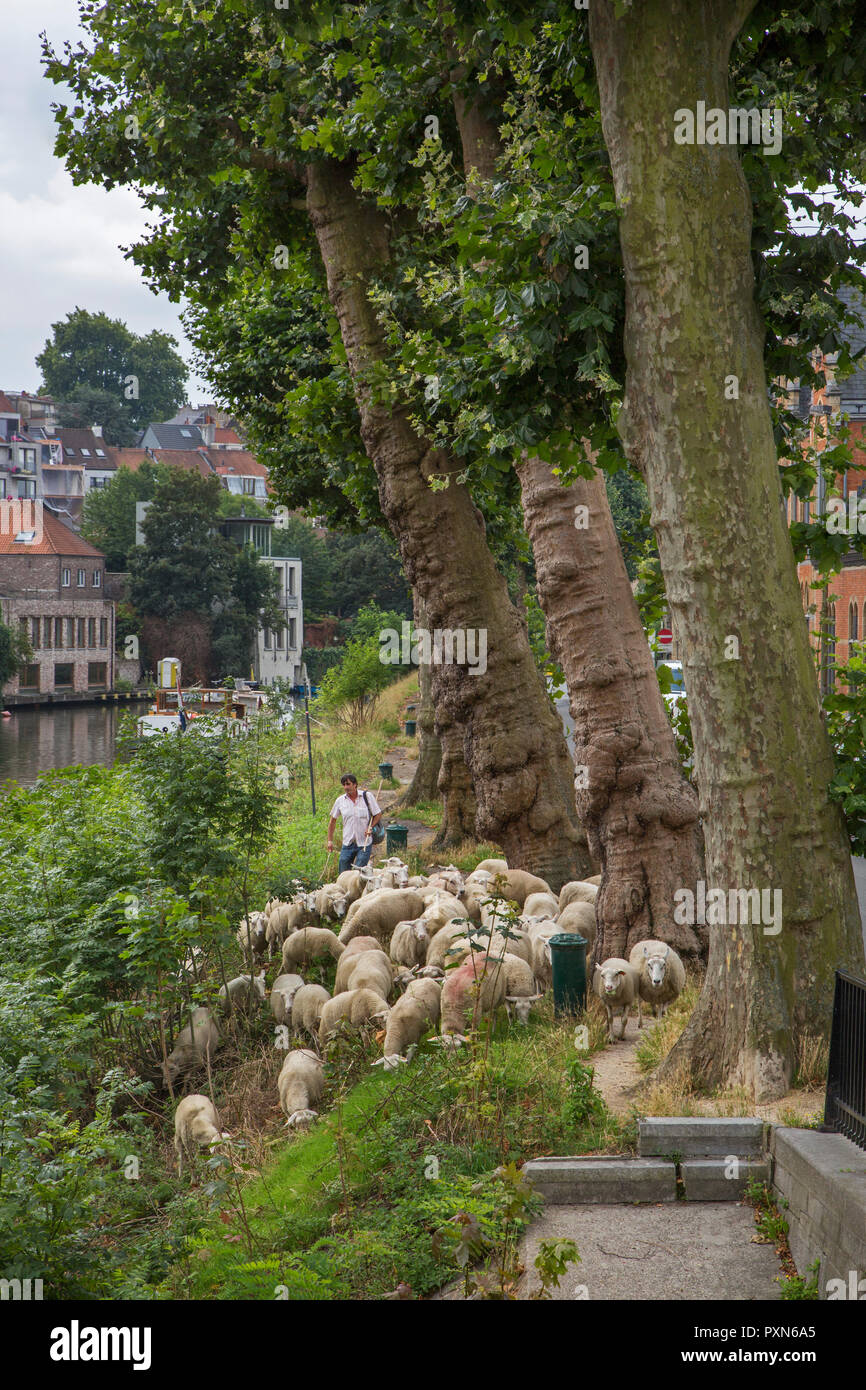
(350, 882)
(541, 905)
(330, 902)
(579, 920)
(362, 943)
(307, 1008)
(377, 914)
(596, 879)
(282, 996)
(300, 1083)
(539, 936)
(309, 944)
(409, 943)
(452, 943)
(578, 891)
(516, 942)
(521, 991)
(194, 1044)
(365, 970)
(661, 976)
(447, 880)
(478, 887)
(196, 1126)
(253, 942)
(355, 1007)
(615, 982)
(246, 992)
(475, 988)
(411, 1017)
(285, 919)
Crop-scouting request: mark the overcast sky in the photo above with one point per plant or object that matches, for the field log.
(59, 244)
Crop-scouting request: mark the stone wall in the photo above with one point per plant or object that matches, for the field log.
(822, 1177)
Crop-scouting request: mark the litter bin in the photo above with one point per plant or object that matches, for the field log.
(568, 962)
(396, 837)
(386, 771)
(410, 709)
(410, 728)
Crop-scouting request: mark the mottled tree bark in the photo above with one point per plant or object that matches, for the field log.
(425, 783)
(696, 422)
(455, 787)
(639, 813)
(512, 739)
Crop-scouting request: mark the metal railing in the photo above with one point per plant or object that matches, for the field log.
(845, 1104)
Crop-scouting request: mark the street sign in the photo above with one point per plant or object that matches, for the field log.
(665, 636)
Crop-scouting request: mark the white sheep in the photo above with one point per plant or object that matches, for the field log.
(307, 1008)
(300, 1083)
(246, 992)
(452, 943)
(415, 1012)
(661, 976)
(377, 914)
(475, 988)
(330, 902)
(309, 944)
(196, 1126)
(521, 991)
(193, 1045)
(409, 943)
(542, 966)
(350, 882)
(578, 891)
(282, 996)
(519, 885)
(541, 905)
(491, 866)
(578, 919)
(478, 886)
(417, 881)
(253, 943)
(441, 909)
(354, 1006)
(285, 919)
(365, 970)
(449, 879)
(615, 982)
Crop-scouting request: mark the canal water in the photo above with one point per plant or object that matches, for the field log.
(35, 740)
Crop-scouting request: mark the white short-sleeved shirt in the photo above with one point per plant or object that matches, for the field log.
(354, 815)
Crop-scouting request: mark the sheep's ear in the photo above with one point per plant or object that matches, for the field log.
(646, 952)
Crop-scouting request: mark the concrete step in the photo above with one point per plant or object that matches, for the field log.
(666, 1136)
(609, 1178)
(721, 1179)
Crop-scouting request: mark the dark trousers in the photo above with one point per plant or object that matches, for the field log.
(354, 856)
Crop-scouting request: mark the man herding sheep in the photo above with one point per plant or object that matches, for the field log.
(360, 811)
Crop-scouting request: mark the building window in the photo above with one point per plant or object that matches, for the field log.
(97, 579)
(28, 456)
(80, 641)
(291, 577)
(27, 488)
(278, 639)
(66, 578)
(852, 622)
(96, 673)
(828, 651)
(91, 632)
(24, 627)
(47, 631)
(29, 677)
(82, 578)
(103, 632)
(34, 634)
(292, 630)
(63, 675)
(267, 639)
(70, 632)
(85, 453)
(58, 632)
(2, 487)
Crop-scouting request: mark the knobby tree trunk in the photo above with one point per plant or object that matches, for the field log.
(639, 813)
(513, 742)
(425, 783)
(696, 422)
(459, 807)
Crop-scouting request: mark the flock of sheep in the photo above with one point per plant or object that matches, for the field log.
(402, 934)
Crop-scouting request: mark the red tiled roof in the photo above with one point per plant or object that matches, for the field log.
(237, 461)
(190, 459)
(128, 458)
(6, 406)
(226, 436)
(57, 539)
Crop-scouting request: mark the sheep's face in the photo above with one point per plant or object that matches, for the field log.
(611, 980)
(519, 1007)
(339, 903)
(655, 968)
(419, 931)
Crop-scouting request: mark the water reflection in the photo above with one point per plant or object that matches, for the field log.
(34, 740)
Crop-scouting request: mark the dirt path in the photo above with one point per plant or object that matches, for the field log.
(616, 1070)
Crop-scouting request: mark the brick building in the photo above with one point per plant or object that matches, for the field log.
(52, 587)
(845, 621)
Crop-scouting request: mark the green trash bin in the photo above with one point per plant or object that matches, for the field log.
(410, 709)
(410, 728)
(386, 771)
(396, 837)
(568, 962)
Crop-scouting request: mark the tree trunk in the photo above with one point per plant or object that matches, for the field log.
(639, 813)
(513, 740)
(455, 787)
(696, 422)
(425, 783)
